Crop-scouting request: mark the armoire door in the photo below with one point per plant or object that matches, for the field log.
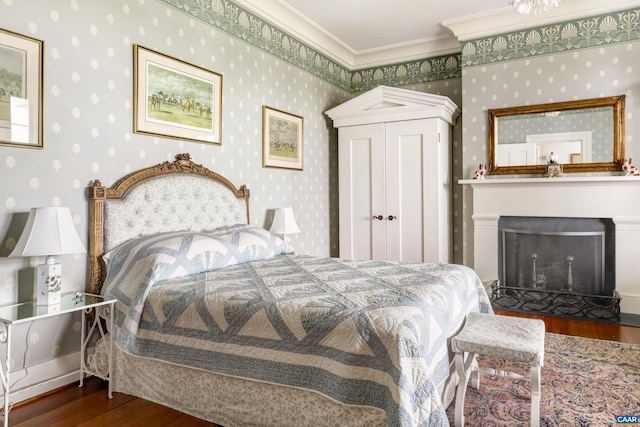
(411, 164)
(361, 186)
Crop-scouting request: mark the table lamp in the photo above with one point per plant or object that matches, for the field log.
(284, 224)
(49, 231)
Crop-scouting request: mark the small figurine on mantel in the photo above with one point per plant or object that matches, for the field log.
(481, 172)
(629, 169)
(554, 169)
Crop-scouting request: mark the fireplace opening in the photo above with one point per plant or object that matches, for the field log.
(557, 265)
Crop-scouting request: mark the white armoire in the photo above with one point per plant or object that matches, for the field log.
(394, 169)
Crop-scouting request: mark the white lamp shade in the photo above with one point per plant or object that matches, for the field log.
(284, 222)
(49, 231)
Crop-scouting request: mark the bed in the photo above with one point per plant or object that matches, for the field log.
(219, 319)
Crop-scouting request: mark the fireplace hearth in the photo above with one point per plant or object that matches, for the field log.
(572, 196)
(562, 303)
(561, 266)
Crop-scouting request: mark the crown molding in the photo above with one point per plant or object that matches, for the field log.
(303, 29)
(281, 16)
(308, 32)
(411, 51)
(507, 19)
(462, 29)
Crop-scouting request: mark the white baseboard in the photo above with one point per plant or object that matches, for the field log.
(43, 377)
(629, 303)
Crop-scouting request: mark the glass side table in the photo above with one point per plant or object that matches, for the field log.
(95, 308)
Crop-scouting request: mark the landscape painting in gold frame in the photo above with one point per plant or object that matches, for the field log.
(282, 139)
(21, 96)
(175, 99)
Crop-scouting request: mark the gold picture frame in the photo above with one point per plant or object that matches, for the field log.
(282, 139)
(553, 116)
(175, 99)
(21, 90)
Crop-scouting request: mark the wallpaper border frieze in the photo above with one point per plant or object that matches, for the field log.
(242, 24)
(601, 30)
(412, 72)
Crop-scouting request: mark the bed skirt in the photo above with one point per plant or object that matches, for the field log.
(231, 401)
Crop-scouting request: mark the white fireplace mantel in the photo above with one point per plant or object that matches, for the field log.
(615, 197)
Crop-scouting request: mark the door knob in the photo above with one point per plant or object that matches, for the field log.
(391, 217)
(379, 217)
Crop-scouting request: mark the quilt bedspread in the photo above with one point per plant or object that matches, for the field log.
(361, 332)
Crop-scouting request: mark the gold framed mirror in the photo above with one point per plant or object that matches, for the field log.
(584, 136)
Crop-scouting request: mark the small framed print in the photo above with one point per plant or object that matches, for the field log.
(175, 99)
(21, 92)
(282, 139)
(576, 158)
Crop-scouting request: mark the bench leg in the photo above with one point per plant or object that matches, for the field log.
(475, 379)
(535, 396)
(462, 367)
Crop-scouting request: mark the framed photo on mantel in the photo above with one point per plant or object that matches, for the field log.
(21, 91)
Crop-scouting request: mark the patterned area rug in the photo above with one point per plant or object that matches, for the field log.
(585, 382)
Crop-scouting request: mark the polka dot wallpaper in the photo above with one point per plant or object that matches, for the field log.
(88, 122)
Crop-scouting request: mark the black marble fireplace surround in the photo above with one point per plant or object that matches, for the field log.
(561, 266)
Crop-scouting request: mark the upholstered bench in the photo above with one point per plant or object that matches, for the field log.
(511, 338)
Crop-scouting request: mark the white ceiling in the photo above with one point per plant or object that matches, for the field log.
(367, 33)
(366, 25)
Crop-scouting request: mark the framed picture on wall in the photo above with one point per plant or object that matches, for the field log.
(21, 96)
(282, 139)
(175, 99)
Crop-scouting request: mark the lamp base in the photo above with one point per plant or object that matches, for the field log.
(288, 249)
(48, 284)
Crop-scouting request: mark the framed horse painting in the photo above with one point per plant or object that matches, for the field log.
(175, 99)
(282, 139)
(21, 93)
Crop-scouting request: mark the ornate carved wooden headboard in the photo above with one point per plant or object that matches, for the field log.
(170, 196)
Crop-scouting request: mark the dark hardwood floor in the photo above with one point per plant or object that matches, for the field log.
(90, 406)
(583, 328)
